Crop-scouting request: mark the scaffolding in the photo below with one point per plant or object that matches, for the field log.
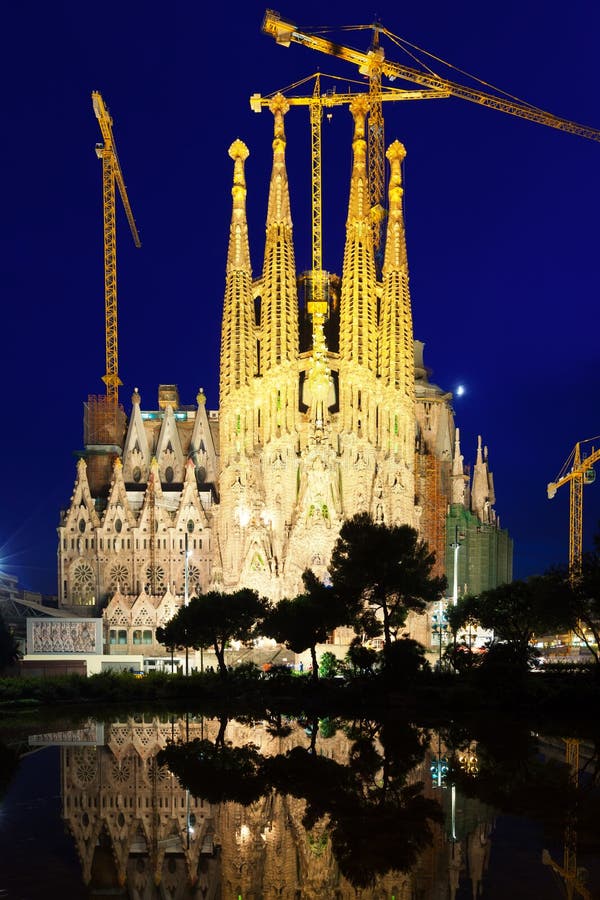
(433, 502)
(104, 423)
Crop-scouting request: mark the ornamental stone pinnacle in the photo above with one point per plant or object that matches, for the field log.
(358, 308)
(279, 106)
(238, 343)
(279, 297)
(396, 341)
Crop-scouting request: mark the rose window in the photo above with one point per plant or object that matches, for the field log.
(83, 584)
(85, 766)
(162, 774)
(156, 579)
(193, 579)
(121, 773)
(119, 578)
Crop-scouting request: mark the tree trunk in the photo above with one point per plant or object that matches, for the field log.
(220, 738)
(220, 654)
(386, 624)
(315, 666)
(314, 730)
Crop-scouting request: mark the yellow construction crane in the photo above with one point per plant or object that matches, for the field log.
(374, 65)
(285, 32)
(568, 872)
(317, 102)
(111, 175)
(577, 470)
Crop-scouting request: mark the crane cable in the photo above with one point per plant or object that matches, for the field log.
(404, 44)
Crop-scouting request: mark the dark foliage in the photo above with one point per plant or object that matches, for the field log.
(9, 648)
(382, 573)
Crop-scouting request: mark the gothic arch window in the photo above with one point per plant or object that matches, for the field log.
(82, 525)
(137, 474)
(118, 526)
(190, 525)
(169, 474)
(83, 584)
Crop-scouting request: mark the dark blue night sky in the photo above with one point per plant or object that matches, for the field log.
(502, 221)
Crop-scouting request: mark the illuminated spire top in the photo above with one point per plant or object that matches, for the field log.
(397, 343)
(395, 248)
(358, 338)
(239, 251)
(238, 351)
(278, 212)
(279, 301)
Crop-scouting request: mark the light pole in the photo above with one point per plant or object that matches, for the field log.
(186, 599)
(455, 547)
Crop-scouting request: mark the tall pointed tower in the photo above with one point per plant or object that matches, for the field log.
(358, 307)
(258, 472)
(396, 412)
(237, 480)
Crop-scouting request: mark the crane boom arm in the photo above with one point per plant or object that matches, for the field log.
(105, 122)
(576, 472)
(285, 32)
(333, 98)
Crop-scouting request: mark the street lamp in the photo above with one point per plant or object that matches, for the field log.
(455, 547)
(439, 767)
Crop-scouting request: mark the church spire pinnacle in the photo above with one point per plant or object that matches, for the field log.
(397, 343)
(237, 335)
(459, 479)
(358, 338)
(482, 491)
(279, 301)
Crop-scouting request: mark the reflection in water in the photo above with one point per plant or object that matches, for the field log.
(340, 811)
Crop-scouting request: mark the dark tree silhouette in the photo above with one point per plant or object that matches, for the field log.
(306, 620)
(516, 612)
(383, 572)
(9, 648)
(215, 619)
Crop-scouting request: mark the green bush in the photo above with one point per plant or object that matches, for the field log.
(328, 665)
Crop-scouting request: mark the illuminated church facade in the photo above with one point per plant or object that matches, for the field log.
(325, 410)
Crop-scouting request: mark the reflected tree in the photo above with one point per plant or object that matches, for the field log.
(377, 820)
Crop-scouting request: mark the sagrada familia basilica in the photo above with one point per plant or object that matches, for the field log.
(325, 410)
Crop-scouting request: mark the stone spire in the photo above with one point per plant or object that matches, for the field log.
(238, 351)
(458, 472)
(358, 336)
(397, 351)
(482, 491)
(279, 303)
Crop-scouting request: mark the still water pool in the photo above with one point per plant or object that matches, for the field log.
(187, 806)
